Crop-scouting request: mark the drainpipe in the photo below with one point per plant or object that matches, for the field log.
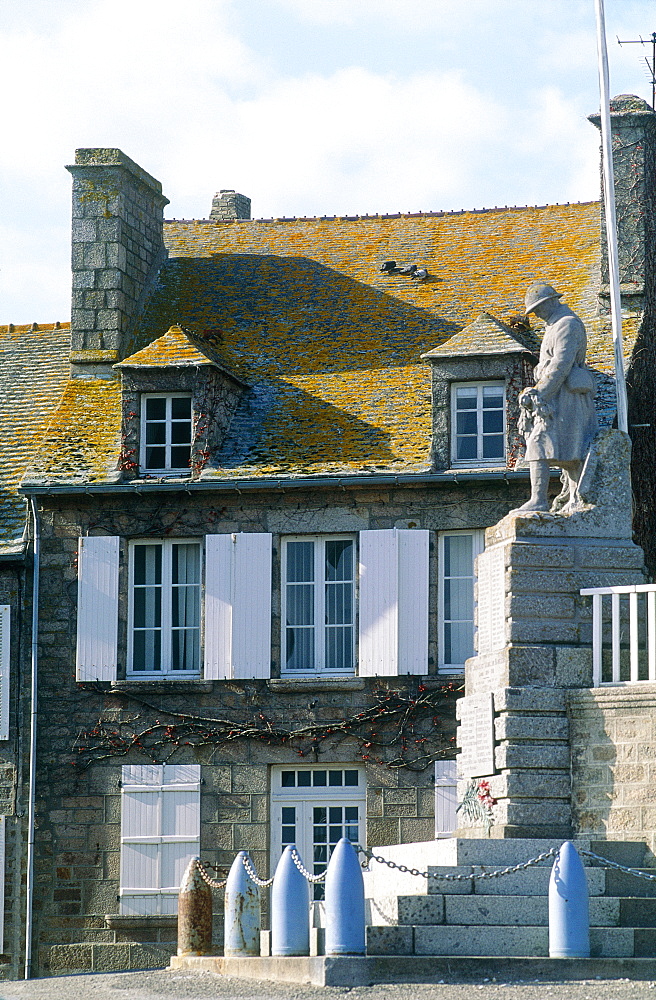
(33, 723)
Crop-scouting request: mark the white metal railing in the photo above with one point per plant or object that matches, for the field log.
(630, 656)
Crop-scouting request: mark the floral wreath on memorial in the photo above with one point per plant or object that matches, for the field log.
(399, 731)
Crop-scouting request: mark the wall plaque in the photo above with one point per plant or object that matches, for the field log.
(491, 600)
(476, 735)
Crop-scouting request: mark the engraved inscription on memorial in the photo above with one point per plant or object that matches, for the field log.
(476, 736)
(491, 600)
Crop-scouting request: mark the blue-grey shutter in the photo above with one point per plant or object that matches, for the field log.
(5, 669)
(97, 608)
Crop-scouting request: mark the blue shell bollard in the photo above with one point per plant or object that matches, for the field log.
(344, 902)
(242, 912)
(290, 909)
(569, 916)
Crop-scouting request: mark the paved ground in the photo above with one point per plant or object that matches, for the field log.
(160, 985)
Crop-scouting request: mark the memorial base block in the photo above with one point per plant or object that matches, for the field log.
(534, 642)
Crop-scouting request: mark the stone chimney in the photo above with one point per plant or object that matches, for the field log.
(117, 249)
(633, 124)
(227, 206)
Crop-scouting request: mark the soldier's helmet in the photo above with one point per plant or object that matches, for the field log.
(539, 292)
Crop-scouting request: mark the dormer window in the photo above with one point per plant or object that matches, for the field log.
(166, 428)
(478, 422)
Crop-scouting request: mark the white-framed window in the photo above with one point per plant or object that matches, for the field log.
(318, 604)
(313, 808)
(164, 607)
(166, 428)
(160, 833)
(446, 798)
(478, 422)
(457, 551)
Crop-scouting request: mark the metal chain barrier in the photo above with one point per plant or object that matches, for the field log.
(206, 877)
(252, 874)
(303, 870)
(613, 864)
(458, 878)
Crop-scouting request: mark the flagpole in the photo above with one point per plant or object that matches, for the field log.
(611, 220)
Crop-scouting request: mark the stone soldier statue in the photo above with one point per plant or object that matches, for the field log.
(557, 414)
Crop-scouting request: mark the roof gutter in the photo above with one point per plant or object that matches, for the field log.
(33, 734)
(282, 483)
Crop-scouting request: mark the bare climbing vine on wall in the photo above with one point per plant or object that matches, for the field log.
(398, 730)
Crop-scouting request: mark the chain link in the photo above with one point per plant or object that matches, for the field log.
(206, 877)
(252, 874)
(296, 858)
(458, 878)
(621, 868)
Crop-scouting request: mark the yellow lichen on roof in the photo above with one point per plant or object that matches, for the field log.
(174, 348)
(83, 439)
(349, 420)
(33, 371)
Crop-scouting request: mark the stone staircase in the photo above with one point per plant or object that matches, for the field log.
(506, 916)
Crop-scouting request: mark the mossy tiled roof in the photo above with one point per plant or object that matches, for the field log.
(34, 368)
(330, 345)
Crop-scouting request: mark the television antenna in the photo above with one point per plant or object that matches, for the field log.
(651, 66)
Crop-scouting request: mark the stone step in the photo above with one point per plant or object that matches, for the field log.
(529, 882)
(499, 911)
(514, 942)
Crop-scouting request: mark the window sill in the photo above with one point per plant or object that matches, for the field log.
(120, 922)
(316, 682)
(164, 684)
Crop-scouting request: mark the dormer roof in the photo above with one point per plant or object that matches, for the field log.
(485, 335)
(173, 349)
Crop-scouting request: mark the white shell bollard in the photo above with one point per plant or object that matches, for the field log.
(242, 912)
(569, 911)
(344, 902)
(290, 909)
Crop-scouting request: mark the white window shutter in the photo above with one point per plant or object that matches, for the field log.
(412, 550)
(5, 667)
(393, 602)
(238, 605)
(160, 832)
(97, 608)
(446, 799)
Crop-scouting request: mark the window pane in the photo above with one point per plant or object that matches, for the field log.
(459, 599)
(147, 650)
(156, 433)
(493, 422)
(180, 457)
(467, 423)
(335, 814)
(339, 647)
(458, 555)
(339, 606)
(300, 604)
(299, 654)
(319, 814)
(466, 398)
(351, 777)
(156, 408)
(339, 560)
(493, 446)
(319, 778)
(492, 396)
(155, 458)
(181, 407)
(334, 777)
(300, 562)
(288, 781)
(186, 563)
(466, 448)
(180, 432)
(459, 642)
(304, 779)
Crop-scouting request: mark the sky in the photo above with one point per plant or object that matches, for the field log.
(309, 107)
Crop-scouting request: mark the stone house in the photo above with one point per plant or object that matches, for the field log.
(258, 467)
